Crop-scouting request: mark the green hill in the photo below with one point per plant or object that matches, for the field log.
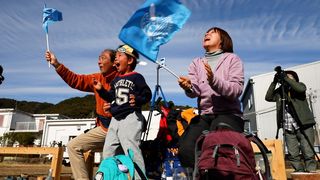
(31, 107)
(76, 107)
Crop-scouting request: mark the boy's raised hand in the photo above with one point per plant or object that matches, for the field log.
(132, 100)
(96, 84)
(106, 106)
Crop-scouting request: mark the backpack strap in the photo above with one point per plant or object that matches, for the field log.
(236, 152)
(198, 152)
(127, 161)
(130, 154)
(215, 150)
(136, 166)
(142, 175)
(264, 150)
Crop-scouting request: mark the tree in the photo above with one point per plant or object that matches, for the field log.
(8, 139)
(26, 138)
(23, 138)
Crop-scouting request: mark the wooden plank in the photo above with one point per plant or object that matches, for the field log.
(56, 152)
(278, 169)
(28, 150)
(89, 161)
(305, 176)
(56, 163)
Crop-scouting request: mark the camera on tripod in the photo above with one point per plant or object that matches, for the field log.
(280, 73)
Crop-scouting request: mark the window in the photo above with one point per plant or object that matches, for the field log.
(250, 102)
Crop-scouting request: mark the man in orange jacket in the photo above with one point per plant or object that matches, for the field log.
(94, 139)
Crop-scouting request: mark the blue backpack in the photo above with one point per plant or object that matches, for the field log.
(119, 167)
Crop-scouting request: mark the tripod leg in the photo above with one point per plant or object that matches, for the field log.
(317, 136)
(145, 134)
(164, 98)
(309, 143)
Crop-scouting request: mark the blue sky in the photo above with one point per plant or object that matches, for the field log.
(265, 34)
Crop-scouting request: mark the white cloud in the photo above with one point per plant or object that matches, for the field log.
(265, 34)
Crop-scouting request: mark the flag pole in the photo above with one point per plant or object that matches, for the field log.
(50, 15)
(166, 68)
(48, 48)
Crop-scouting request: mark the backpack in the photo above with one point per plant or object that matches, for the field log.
(186, 116)
(119, 167)
(224, 154)
(163, 133)
(178, 121)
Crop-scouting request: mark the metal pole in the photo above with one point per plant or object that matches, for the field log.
(153, 103)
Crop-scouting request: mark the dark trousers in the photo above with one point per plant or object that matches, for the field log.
(296, 143)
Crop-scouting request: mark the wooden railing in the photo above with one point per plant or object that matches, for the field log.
(278, 169)
(56, 152)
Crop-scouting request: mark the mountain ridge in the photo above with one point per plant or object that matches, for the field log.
(75, 107)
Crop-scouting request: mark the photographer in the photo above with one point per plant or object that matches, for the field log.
(295, 117)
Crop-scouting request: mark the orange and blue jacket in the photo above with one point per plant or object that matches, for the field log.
(83, 82)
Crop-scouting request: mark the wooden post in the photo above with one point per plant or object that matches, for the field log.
(56, 152)
(278, 169)
(89, 160)
(305, 176)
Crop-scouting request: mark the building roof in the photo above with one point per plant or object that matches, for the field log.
(251, 79)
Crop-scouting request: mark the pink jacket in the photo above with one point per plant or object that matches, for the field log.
(228, 82)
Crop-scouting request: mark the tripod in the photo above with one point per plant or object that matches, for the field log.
(283, 106)
(154, 103)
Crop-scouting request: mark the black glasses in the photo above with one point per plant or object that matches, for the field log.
(103, 58)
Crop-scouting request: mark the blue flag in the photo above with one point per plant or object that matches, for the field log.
(153, 25)
(50, 15)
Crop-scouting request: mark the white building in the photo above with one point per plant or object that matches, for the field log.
(262, 114)
(56, 127)
(13, 120)
(63, 130)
